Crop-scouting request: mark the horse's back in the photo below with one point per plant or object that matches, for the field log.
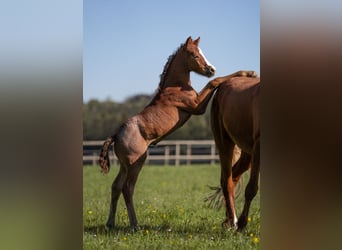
(240, 85)
(235, 109)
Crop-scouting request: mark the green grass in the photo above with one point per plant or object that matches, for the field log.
(170, 211)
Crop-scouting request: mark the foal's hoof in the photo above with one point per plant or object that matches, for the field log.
(248, 73)
(251, 73)
(135, 228)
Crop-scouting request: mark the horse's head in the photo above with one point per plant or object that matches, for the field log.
(196, 60)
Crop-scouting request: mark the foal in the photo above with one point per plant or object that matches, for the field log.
(175, 101)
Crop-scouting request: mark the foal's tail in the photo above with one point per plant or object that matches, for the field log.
(104, 157)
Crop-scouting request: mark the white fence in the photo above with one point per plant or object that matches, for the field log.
(168, 152)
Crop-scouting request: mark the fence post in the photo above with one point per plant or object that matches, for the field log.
(188, 154)
(94, 159)
(212, 150)
(177, 155)
(167, 155)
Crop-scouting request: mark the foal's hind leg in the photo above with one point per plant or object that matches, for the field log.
(128, 189)
(252, 186)
(116, 191)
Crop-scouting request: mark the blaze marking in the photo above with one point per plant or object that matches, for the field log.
(205, 59)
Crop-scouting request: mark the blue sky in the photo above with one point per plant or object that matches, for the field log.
(126, 43)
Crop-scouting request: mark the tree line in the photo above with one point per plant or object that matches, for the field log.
(103, 118)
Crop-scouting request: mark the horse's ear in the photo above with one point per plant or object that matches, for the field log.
(188, 41)
(196, 42)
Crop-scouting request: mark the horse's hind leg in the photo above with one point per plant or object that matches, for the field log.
(227, 185)
(226, 148)
(252, 186)
(241, 166)
(116, 191)
(128, 189)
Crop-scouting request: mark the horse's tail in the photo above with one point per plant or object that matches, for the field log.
(104, 157)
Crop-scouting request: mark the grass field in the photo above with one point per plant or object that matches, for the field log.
(170, 211)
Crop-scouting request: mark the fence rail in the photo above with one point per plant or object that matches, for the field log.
(168, 152)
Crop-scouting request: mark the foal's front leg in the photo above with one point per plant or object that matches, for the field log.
(205, 94)
(219, 80)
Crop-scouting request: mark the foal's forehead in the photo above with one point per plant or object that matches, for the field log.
(195, 49)
(190, 46)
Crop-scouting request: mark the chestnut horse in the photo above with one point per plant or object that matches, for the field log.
(173, 104)
(235, 121)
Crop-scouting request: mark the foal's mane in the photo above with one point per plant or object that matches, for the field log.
(167, 65)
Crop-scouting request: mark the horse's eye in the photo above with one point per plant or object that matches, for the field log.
(195, 56)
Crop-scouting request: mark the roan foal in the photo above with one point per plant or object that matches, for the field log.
(173, 104)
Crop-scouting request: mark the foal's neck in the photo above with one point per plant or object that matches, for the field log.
(178, 74)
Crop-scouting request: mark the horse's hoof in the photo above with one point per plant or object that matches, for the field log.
(109, 225)
(241, 225)
(227, 225)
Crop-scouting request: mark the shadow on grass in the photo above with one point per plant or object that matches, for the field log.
(102, 229)
(163, 228)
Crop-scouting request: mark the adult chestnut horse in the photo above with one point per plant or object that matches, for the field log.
(235, 121)
(173, 104)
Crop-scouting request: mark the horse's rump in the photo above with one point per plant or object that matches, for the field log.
(235, 111)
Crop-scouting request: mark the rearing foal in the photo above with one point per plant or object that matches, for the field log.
(175, 101)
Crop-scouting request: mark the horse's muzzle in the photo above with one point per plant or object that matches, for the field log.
(209, 71)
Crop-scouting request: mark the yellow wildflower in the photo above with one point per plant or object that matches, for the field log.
(256, 240)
